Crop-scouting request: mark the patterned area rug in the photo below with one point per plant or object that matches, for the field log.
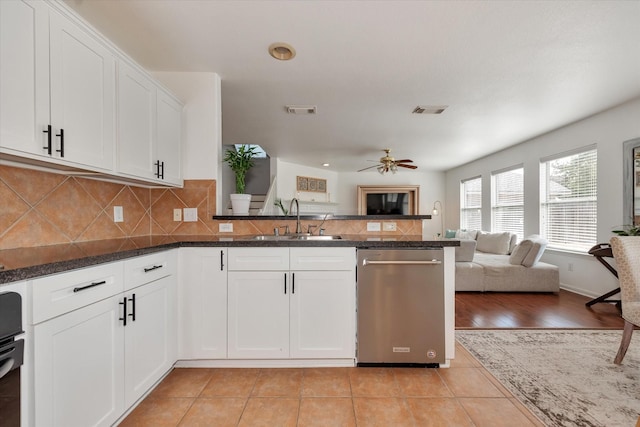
(566, 377)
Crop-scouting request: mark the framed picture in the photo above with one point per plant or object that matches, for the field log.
(306, 183)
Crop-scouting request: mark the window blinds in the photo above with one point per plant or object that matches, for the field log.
(471, 204)
(507, 202)
(568, 201)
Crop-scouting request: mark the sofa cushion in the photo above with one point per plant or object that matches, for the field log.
(494, 243)
(466, 250)
(520, 252)
(538, 247)
(513, 242)
(466, 234)
(449, 234)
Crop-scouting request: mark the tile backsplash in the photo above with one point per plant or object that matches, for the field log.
(42, 209)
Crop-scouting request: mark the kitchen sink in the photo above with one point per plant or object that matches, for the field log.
(295, 237)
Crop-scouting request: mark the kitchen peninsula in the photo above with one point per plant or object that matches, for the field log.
(192, 300)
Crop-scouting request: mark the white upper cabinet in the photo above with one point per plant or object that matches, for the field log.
(149, 128)
(70, 122)
(82, 95)
(24, 77)
(60, 95)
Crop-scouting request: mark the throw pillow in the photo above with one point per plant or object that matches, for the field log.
(520, 252)
(494, 243)
(450, 234)
(466, 234)
(534, 255)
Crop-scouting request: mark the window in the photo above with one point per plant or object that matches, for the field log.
(507, 201)
(568, 200)
(471, 204)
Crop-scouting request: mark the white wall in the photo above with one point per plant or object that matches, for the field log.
(286, 182)
(202, 123)
(608, 130)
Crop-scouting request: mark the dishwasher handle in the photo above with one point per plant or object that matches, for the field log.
(431, 262)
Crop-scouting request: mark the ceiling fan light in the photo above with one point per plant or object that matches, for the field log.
(381, 169)
(394, 168)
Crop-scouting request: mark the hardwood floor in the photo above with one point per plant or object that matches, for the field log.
(491, 310)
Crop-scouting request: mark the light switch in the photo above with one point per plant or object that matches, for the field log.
(118, 214)
(190, 214)
(373, 226)
(225, 228)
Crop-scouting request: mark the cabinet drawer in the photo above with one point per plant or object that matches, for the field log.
(145, 269)
(62, 293)
(323, 259)
(261, 259)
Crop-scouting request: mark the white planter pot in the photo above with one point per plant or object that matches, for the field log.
(240, 203)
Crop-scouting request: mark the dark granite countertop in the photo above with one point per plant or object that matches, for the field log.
(28, 263)
(321, 216)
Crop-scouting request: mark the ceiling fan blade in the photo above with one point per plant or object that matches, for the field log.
(370, 167)
(407, 166)
(404, 161)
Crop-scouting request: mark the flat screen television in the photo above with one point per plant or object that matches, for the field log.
(388, 199)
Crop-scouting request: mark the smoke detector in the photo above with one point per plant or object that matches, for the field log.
(301, 109)
(429, 109)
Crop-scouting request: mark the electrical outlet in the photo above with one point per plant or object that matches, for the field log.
(118, 214)
(177, 214)
(190, 214)
(389, 226)
(225, 228)
(373, 226)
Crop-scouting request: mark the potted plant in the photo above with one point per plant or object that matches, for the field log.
(240, 161)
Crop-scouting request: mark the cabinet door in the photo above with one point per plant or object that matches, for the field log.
(258, 314)
(78, 363)
(24, 79)
(323, 311)
(136, 122)
(202, 308)
(82, 95)
(169, 138)
(150, 336)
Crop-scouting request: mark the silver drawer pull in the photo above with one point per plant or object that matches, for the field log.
(155, 267)
(432, 262)
(82, 288)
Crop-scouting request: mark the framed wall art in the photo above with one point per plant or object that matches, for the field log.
(306, 183)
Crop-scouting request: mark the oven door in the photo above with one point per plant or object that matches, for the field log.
(11, 358)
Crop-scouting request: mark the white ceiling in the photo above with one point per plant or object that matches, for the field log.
(508, 70)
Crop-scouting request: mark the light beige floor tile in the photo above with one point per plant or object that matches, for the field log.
(270, 412)
(278, 383)
(231, 383)
(421, 383)
(158, 412)
(382, 411)
(183, 382)
(494, 412)
(469, 382)
(317, 382)
(441, 412)
(326, 412)
(373, 382)
(219, 412)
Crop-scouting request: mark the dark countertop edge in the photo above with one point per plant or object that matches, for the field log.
(320, 217)
(27, 273)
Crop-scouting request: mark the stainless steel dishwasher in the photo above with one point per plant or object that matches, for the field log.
(400, 307)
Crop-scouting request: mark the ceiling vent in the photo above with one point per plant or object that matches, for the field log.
(301, 109)
(429, 109)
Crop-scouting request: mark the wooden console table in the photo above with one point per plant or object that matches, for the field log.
(601, 251)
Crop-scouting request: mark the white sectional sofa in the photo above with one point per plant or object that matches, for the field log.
(494, 262)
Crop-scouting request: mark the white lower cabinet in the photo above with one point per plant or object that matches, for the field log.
(296, 303)
(202, 303)
(95, 355)
(79, 366)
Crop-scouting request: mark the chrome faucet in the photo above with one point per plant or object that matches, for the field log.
(298, 226)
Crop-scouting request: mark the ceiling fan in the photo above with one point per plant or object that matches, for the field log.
(389, 164)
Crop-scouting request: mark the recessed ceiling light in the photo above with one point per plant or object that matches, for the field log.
(301, 109)
(326, 165)
(282, 51)
(429, 109)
